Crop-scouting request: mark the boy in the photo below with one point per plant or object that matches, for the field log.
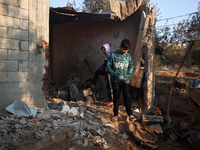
(120, 67)
(102, 70)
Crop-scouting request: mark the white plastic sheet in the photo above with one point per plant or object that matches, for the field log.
(20, 108)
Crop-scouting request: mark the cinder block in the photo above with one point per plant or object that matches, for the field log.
(3, 31)
(17, 12)
(9, 21)
(3, 9)
(17, 76)
(24, 4)
(10, 2)
(4, 1)
(13, 89)
(17, 34)
(151, 118)
(18, 55)
(24, 24)
(9, 43)
(8, 66)
(23, 66)
(24, 46)
(3, 76)
(3, 54)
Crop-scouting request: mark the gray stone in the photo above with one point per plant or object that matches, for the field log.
(3, 31)
(18, 55)
(3, 76)
(17, 76)
(3, 54)
(9, 22)
(24, 24)
(24, 45)
(17, 34)
(17, 12)
(9, 43)
(3, 9)
(24, 4)
(8, 65)
(23, 66)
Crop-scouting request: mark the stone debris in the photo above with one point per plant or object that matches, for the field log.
(82, 124)
(157, 128)
(151, 118)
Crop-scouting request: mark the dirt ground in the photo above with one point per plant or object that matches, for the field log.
(184, 115)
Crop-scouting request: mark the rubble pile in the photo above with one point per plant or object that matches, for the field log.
(86, 126)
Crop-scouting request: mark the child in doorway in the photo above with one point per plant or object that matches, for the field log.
(120, 67)
(102, 70)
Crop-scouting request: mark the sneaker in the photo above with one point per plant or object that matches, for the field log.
(109, 103)
(132, 118)
(114, 118)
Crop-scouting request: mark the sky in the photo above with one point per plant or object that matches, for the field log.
(167, 9)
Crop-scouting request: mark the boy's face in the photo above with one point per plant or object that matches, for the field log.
(123, 51)
(103, 50)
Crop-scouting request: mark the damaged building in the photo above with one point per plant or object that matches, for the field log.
(28, 60)
(47, 55)
(76, 38)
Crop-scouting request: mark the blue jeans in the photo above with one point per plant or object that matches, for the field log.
(117, 88)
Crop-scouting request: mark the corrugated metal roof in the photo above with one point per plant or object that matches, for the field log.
(65, 14)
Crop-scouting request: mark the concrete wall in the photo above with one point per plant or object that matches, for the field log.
(24, 39)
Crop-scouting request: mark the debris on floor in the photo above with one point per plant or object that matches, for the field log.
(81, 122)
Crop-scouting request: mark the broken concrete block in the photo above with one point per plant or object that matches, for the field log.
(110, 125)
(74, 91)
(87, 92)
(125, 136)
(90, 100)
(173, 137)
(144, 134)
(157, 128)
(151, 118)
(55, 124)
(137, 113)
(65, 108)
(73, 112)
(90, 113)
(62, 94)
